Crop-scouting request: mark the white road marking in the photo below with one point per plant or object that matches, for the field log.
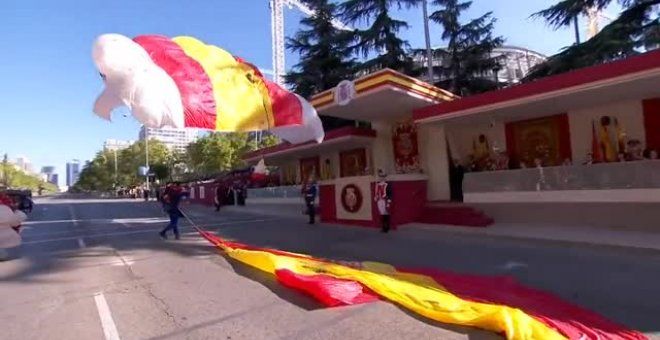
(513, 265)
(37, 233)
(108, 324)
(132, 232)
(73, 216)
(48, 222)
(122, 262)
(81, 243)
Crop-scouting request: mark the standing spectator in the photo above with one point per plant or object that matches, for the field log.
(310, 191)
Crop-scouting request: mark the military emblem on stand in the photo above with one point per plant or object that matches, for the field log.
(351, 198)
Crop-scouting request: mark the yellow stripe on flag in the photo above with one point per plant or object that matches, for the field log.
(419, 293)
(241, 98)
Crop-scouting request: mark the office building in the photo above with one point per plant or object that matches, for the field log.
(175, 139)
(54, 179)
(72, 172)
(116, 145)
(23, 164)
(516, 61)
(47, 173)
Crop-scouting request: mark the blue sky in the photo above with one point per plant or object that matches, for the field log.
(48, 82)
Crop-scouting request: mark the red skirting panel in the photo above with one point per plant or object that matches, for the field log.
(651, 109)
(327, 205)
(408, 201)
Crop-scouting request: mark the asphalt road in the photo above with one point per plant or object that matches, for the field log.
(96, 269)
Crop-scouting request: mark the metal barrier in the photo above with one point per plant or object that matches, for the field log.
(292, 191)
(625, 175)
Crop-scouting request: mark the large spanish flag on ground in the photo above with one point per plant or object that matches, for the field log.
(491, 303)
(184, 83)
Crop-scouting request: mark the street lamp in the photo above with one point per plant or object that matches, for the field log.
(427, 36)
(146, 153)
(116, 168)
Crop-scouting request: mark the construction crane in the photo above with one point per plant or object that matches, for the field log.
(277, 31)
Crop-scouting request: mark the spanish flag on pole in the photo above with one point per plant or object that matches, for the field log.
(491, 303)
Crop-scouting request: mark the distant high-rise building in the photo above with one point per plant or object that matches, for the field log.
(175, 139)
(24, 164)
(72, 172)
(54, 179)
(116, 145)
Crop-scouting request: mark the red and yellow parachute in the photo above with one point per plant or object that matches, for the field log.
(185, 83)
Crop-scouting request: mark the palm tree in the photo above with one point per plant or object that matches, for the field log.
(636, 29)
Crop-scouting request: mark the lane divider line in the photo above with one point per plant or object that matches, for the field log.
(107, 323)
(154, 230)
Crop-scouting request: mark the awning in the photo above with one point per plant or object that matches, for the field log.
(634, 78)
(382, 95)
(336, 140)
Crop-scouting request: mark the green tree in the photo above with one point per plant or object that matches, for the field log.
(17, 179)
(219, 152)
(103, 174)
(325, 57)
(380, 37)
(467, 60)
(637, 28)
(161, 171)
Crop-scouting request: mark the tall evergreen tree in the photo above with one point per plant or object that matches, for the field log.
(325, 58)
(381, 35)
(468, 63)
(637, 28)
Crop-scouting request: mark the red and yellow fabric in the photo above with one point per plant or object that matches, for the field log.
(496, 304)
(219, 91)
(184, 83)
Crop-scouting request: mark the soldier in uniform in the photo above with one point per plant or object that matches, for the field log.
(309, 192)
(383, 199)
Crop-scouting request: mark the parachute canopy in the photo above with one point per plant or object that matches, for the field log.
(183, 83)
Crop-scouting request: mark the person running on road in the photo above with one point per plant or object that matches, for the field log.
(171, 201)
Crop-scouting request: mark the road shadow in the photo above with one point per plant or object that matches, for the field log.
(325, 241)
(270, 282)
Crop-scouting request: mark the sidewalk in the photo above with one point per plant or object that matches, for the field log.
(584, 235)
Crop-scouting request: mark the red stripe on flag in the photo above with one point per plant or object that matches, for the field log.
(194, 84)
(571, 320)
(330, 291)
(287, 109)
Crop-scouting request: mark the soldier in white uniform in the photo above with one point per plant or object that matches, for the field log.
(383, 199)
